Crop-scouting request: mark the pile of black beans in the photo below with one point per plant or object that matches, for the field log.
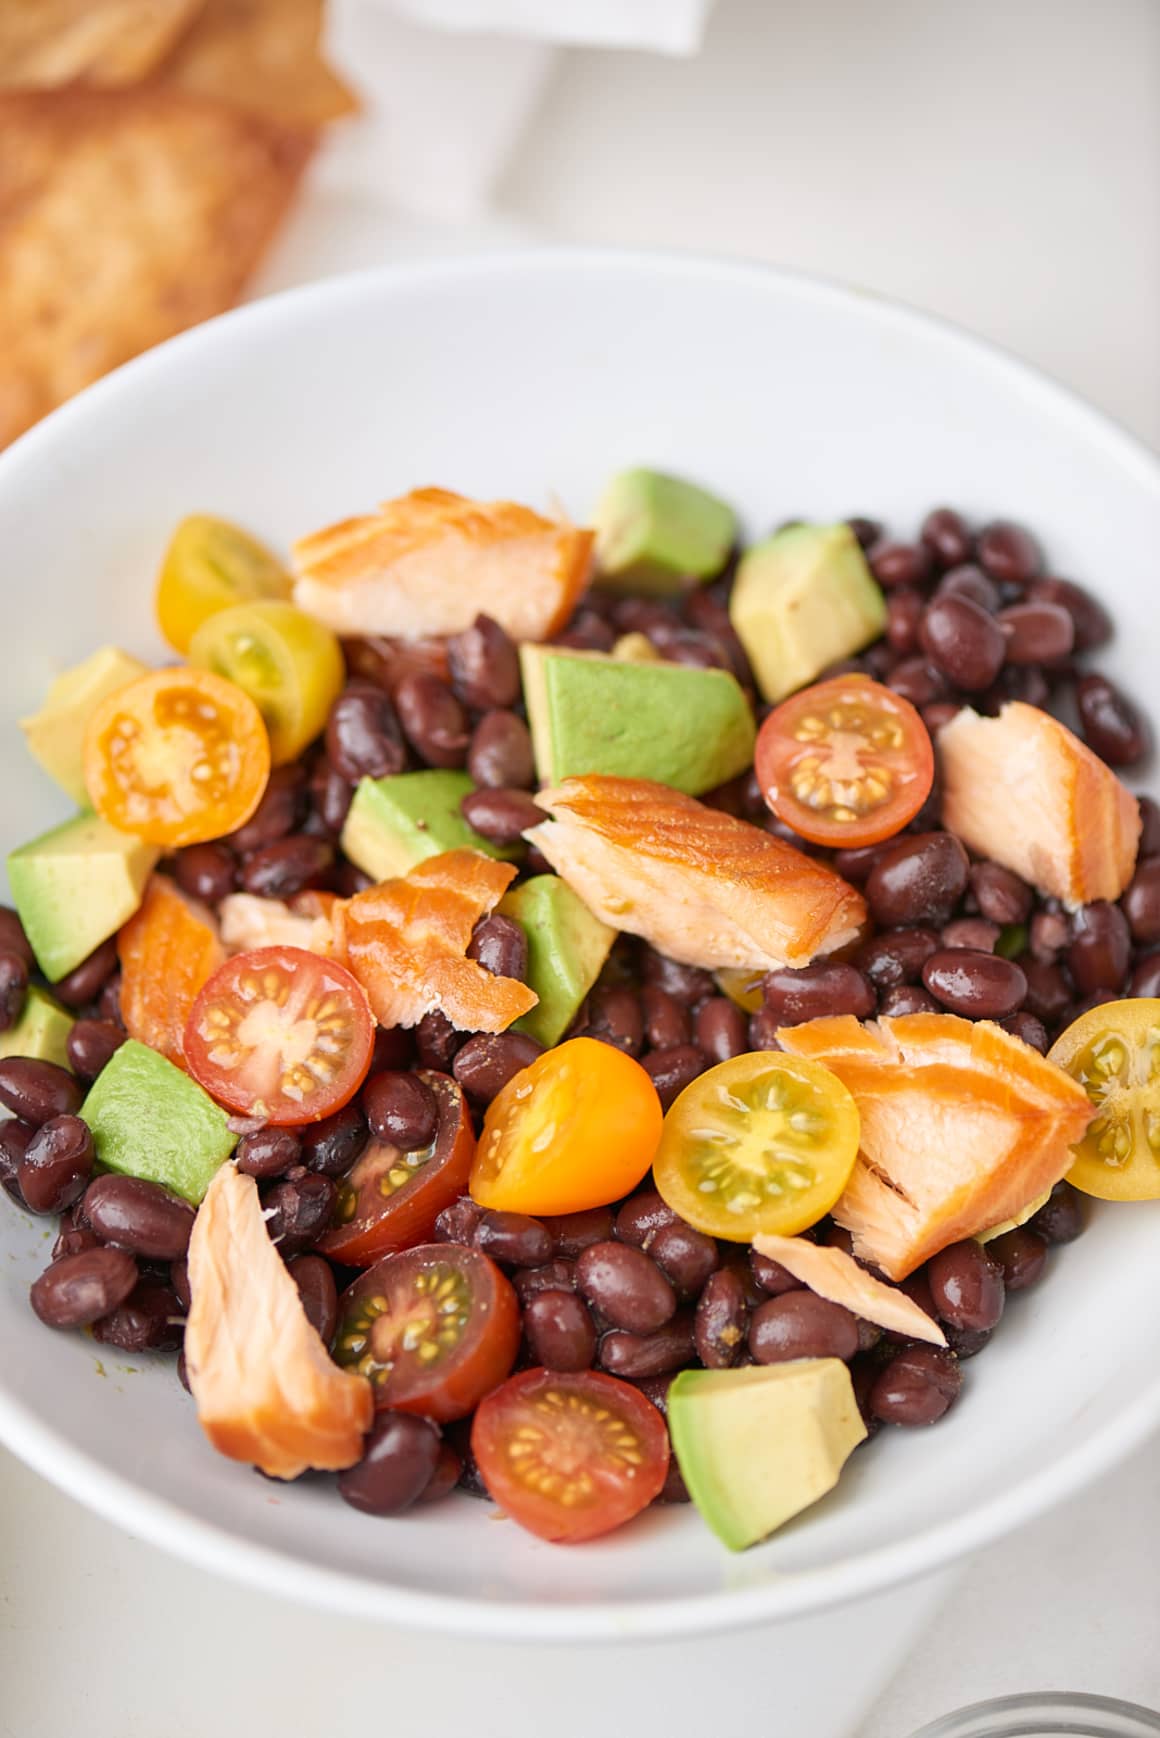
(973, 618)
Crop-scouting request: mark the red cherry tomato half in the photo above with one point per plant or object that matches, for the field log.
(391, 1199)
(570, 1457)
(434, 1329)
(281, 1034)
(846, 762)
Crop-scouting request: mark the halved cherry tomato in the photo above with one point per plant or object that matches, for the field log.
(764, 1142)
(282, 1034)
(391, 1199)
(177, 757)
(1114, 1053)
(577, 1128)
(434, 1328)
(846, 762)
(168, 950)
(290, 665)
(209, 565)
(570, 1457)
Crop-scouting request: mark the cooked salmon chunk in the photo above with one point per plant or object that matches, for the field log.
(266, 1389)
(248, 922)
(699, 885)
(168, 949)
(962, 1125)
(833, 1274)
(431, 561)
(1021, 789)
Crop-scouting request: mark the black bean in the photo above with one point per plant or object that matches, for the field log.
(970, 582)
(685, 1256)
(672, 1070)
(1062, 1218)
(484, 665)
(939, 713)
(13, 938)
(772, 1278)
(719, 1325)
(314, 1278)
(628, 1288)
(896, 957)
(1145, 978)
(15, 1138)
(363, 738)
(1101, 946)
(1022, 1254)
(331, 797)
(145, 1322)
(500, 946)
(1032, 1031)
(398, 1464)
(79, 1289)
(109, 1001)
(278, 813)
(1048, 994)
(38, 1091)
(486, 1063)
(206, 871)
(1090, 620)
(556, 1275)
(436, 1041)
(1037, 633)
(900, 563)
(829, 987)
(1001, 896)
(975, 933)
(636, 1356)
(298, 1209)
(1048, 935)
(501, 751)
(917, 681)
(963, 641)
(433, 720)
(1150, 828)
(966, 1286)
(1109, 722)
(1142, 902)
(916, 1387)
(501, 816)
(401, 1110)
(331, 1146)
(708, 613)
(720, 1029)
(656, 1391)
(687, 983)
(560, 1331)
(641, 1216)
(447, 1474)
(13, 988)
(615, 1016)
(904, 611)
(456, 1223)
(980, 986)
(573, 1232)
(918, 880)
(967, 1342)
(801, 1325)
(946, 535)
(515, 1239)
(57, 1165)
(135, 1214)
(854, 863)
(74, 1235)
(179, 1280)
(1009, 553)
(906, 999)
(280, 870)
(667, 1021)
(90, 1044)
(268, 1152)
(85, 982)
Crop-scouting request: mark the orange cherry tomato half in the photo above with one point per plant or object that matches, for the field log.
(177, 757)
(281, 1034)
(846, 762)
(570, 1457)
(433, 1330)
(391, 1199)
(577, 1128)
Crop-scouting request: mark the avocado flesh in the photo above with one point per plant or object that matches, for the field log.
(394, 823)
(801, 601)
(757, 1446)
(588, 712)
(567, 947)
(56, 734)
(75, 886)
(150, 1120)
(655, 533)
(41, 1031)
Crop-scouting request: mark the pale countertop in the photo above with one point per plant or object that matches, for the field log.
(998, 164)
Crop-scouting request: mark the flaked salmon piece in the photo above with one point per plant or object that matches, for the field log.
(406, 942)
(1023, 790)
(698, 884)
(833, 1274)
(429, 562)
(962, 1125)
(266, 1389)
(248, 922)
(168, 949)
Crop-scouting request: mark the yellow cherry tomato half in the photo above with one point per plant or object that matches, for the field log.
(1114, 1053)
(290, 665)
(209, 565)
(577, 1128)
(177, 757)
(763, 1142)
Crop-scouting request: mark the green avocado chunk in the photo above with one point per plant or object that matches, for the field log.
(757, 1446)
(41, 1031)
(394, 823)
(75, 887)
(150, 1120)
(655, 533)
(56, 734)
(672, 723)
(567, 946)
(801, 601)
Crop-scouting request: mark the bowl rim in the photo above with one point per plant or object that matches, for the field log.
(214, 1548)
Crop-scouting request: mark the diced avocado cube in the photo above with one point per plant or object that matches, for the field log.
(678, 725)
(394, 823)
(757, 1446)
(41, 1031)
(567, 946)
(75, 887)
(801, 601)
(150, 1120)
(56, 734)
(656, 533)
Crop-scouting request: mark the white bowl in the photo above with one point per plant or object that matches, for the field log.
(536, 377)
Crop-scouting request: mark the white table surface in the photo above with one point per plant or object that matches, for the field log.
(997, 163)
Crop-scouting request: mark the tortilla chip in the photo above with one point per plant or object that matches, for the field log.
(124, 218)
(264, 56)
(47, 43)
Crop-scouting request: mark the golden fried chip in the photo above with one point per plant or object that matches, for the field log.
(265, 56)
(46, 43)
(124, 218)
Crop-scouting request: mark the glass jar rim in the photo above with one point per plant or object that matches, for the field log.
(1047, 1715)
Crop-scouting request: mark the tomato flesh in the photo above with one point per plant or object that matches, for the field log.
(570, 1456)
(289, 664)
(577, 1128)
(1114, 1053)
(761, 1143)
(847, 762)
(433, 1329)
(391, 1199)
(209, 565)
(281, 1034)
